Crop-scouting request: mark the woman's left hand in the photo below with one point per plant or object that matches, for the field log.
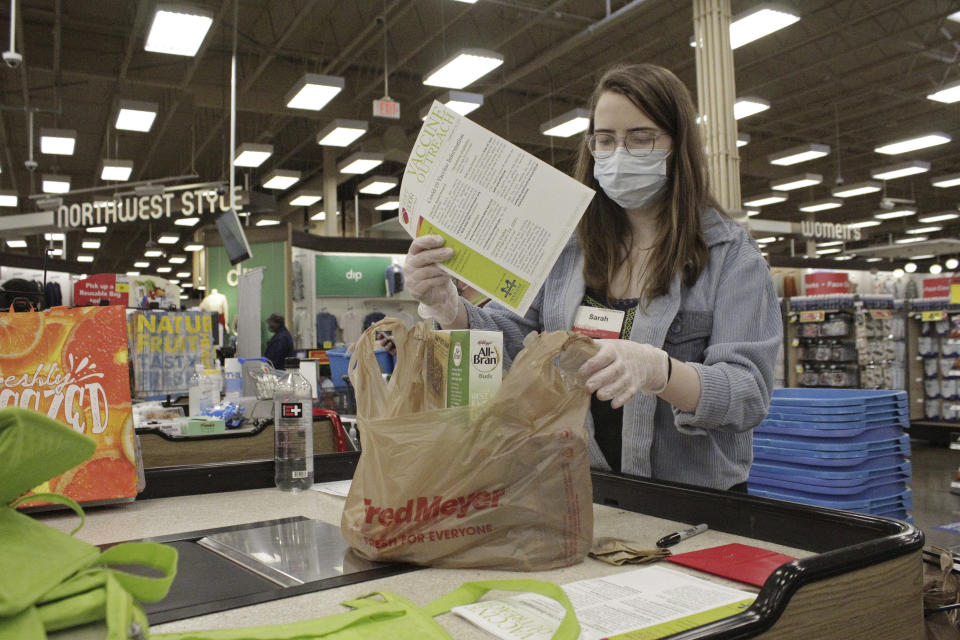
(622, 368)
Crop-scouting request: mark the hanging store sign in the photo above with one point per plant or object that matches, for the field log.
(148, 207)
(938, 287)
(351, 276)
(139, 292)
(825, 282)
(386, 108)
(829, 231)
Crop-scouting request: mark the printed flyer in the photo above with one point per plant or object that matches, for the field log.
(71, 364)
(165, 346)
(506, 214)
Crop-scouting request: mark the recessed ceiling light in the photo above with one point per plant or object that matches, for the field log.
(90, 244)
(55, 184)
(763, 199)
(820, 205)
(84, 258)
(463, 68)
(948, 94)
(60, 142)
(178, 259)
(251, 154)
(950, 180)
(152, 253)
(935, 268)
(267, 222)
(136, 115)
(856, 189)
(193, 247)
(796, 155)
(748, 105)
(797, 182)
(758, 22)
(133, 274)
(901, 170)
(360, 162)
(178, 29)
(313, 91)
(463, 102)
(913, 144)
(186, 222)
(8, 199)
(141, 264)
(952, 263)
(17, 244)
(341, 132)
(164, 269)
(56, 237)
(940, 217)
(116, 170)
(168, 239)
(183, 274)
(306, 197)
(377, 185)
(567, 124)
(96, 229)
(281, 179)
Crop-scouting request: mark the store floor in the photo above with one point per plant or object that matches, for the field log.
(934, 467)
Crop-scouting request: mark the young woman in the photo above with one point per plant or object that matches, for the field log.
(685, 288)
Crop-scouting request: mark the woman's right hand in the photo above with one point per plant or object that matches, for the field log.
(428, 283)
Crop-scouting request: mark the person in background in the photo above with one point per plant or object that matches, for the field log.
(280, 346)
(683, 287)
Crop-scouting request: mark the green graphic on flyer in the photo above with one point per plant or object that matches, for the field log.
(503, 285)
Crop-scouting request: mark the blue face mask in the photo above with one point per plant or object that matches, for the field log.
(631, 181)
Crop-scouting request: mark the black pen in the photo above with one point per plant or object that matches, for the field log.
(683, 534)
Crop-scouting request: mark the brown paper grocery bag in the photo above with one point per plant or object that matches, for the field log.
(504, 485)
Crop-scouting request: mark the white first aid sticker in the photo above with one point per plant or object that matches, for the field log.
(598, 323)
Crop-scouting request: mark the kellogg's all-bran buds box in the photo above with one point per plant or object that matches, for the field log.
(464, 367)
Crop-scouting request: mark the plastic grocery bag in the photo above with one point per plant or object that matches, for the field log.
(504, 485)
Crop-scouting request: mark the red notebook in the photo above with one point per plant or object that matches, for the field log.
(739, 562)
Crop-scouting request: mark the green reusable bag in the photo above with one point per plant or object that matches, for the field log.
(385, 615)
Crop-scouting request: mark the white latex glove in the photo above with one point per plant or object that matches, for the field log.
(428, 283)
(623, 368)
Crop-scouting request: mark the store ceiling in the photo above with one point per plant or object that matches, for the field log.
(852, 74)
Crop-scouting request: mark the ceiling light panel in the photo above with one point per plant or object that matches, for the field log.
(748, 106)
(567, 124)
(821, 205)
(177, 259)
(267, 222)
(760, 21)
(898, 212)
(919, 230)
(463, 102)
(186, 222)
(911, 240)
(96, 229)
(901, 170)
(141, 264)
(251, 154)
(8, 199)
(135, 115)
(797, 182)
(116, 170)
(84, 258)
(342, 132)
(796, 155)
(940, 217)
(377, 185)
(168, 239)
(949, 180)
(764, 199)
(55, 184)
(743, 139)
(948, 94)
(464, 68)
(856, 189)
(178, 29)
(280, 179)
(306, 197)
(913, 144)
(17, 244)
(193, 247)
(90, 244)
(152, 253)
(360, 162)
(388, 204)
(59, 142)
(164, 269)
(313, 91)
(863, 224)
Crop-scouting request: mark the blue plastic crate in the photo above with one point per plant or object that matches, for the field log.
(862, 432)
(873, 491)
(831, 487)
(836, 459)
(831, 417)
(828, 477)
(835, 397)
(340, 362)
(857, 443)
(903, 500)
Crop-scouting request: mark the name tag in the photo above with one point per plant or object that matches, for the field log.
(598, 323)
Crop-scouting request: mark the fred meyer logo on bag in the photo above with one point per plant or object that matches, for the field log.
(422, 509)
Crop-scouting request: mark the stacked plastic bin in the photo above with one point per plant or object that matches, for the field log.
(839, 448)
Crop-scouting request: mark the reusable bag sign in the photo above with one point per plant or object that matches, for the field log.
(165, 346)
(505, 484)
(71, 365)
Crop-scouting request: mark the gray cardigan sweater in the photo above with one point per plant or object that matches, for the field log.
(727, 326)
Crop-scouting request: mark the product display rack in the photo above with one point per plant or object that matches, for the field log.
(933, 350)
(846, 341)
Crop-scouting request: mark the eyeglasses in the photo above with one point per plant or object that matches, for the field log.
(637, 143)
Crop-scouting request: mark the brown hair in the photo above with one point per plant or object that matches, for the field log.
(605, 233)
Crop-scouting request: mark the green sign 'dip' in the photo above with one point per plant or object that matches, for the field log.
(351, 276)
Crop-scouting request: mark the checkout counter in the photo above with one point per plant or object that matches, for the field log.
(857, 576)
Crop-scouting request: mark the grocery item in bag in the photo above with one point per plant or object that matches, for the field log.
(504, 484)
(463, 367)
